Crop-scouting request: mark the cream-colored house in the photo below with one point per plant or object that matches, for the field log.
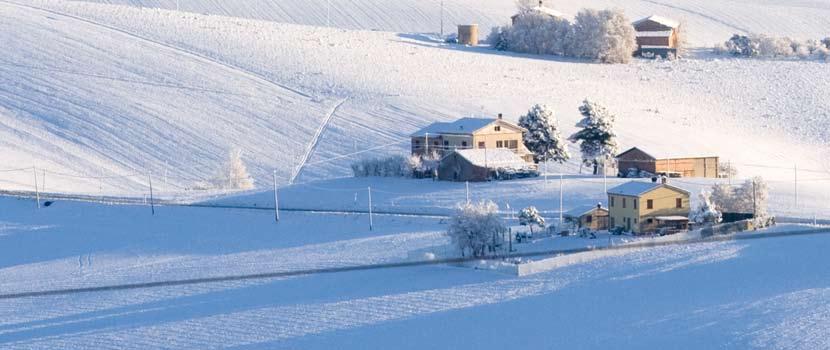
(648, 207)
(470, 133)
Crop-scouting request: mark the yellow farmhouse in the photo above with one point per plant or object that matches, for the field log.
(649, 207)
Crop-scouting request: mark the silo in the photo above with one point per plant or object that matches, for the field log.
(468, 34)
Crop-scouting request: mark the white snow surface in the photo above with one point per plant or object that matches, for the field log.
(106, 98)
(740, 295)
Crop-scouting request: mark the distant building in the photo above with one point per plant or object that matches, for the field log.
(657, 35)
(470, 133)
(468, 34)
(635, 158)
(479, 164)
(649, 207)
(541, 9)
(595, 218)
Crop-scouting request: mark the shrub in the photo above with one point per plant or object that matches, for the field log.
(475, 227)
(394, 166)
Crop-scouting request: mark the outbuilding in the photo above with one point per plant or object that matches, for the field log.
(479, 164)
(675, 166)
(595, 218)
(656, 35)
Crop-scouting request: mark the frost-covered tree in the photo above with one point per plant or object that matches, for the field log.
(498, 38)
(543, 137)
(538, 33)
(727, 170)
(234, 174)
(394, 166)
(740, 45)
(603, 35)
(597, 138)
(750, 197)
(705, 213)
(529, 217)
(826, 42)
(474, 227)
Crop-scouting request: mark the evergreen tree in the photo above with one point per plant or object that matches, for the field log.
(530, 216)
(597, 138)
(543, 137)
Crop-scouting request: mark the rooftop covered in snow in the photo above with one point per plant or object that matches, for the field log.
(463, 126)
(636, 188)
(668, 22)
(493, 158)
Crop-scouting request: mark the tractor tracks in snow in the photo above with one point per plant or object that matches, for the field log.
(315, 141)
(196, 55)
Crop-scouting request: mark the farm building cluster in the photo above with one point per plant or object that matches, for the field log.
(656, 36)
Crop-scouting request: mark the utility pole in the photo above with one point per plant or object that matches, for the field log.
(152, 205)
(442, 19)
(43, 181)
(426, 144)
(371, 221)
(754, 200)
(276, 199)
(795, 174)
(37, 192)
(467, 185)
(328, 13)
(177, 5)
(561, 201)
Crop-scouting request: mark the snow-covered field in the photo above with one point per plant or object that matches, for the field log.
(148, 91)
(769, 293)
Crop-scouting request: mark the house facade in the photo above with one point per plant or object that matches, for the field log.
(648, 207)
(470, 133)
(657, 35)
(635, 158)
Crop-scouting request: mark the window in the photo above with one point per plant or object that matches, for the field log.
(612, 201)
(650, 204)
(650, 221)
(498, 128)
(514, 144)
(679, 202)
(635, 204)
(417, 142)
(446, 143)
(464, 144)
(499, 144)
(635, 221)
(624, 202)
(589, 218)
(481, 145)
(435, 143)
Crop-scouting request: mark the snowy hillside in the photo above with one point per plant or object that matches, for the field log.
(707, 21)
(168, 93)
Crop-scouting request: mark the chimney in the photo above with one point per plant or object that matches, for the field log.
(500, 116)
(654, 179)
(599, 205)
(540, 3)
(664, 179)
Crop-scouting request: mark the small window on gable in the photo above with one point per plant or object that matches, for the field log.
(589, 218)
(481, 145)
(498, 128)
(612, 201)
(650, 204)
(624, 202)
(635, 204)
(679, 202)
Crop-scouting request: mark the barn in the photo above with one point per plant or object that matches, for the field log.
(478, 164)
(676, 166)
(594, 218)
(657, 35)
